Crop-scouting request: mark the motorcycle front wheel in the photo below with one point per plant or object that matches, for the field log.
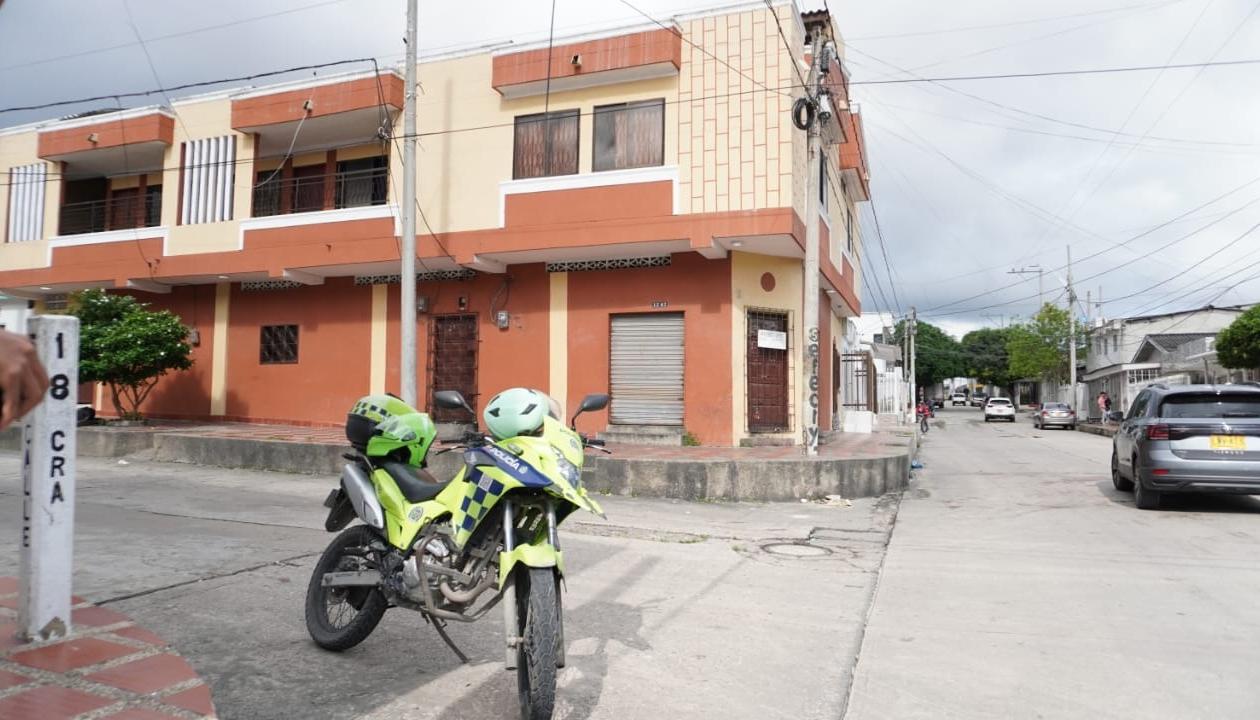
(338, 618)
(538, 621)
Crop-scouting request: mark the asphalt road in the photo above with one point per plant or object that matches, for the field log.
(1019, 584)
(671, 610)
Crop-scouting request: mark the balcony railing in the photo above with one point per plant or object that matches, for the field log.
(118, 213)
(347, 189)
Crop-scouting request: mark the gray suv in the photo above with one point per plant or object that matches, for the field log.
(1188, 438)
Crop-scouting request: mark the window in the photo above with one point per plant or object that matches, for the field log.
(362, 182)
(1138, 409)
(546, 144)
(848, 228)
(1142, 376)
(308, 188)
(629, 135)
(278, 344)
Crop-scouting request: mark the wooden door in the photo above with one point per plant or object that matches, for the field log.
(767, 372)
(453, 363)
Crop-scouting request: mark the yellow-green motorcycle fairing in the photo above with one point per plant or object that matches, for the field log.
(496, 469)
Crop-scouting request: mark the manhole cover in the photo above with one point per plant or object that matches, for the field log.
(795, 550)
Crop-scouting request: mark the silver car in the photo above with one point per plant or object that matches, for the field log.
(1055, 414)
(1188, 438)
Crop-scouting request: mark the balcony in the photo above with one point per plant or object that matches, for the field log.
(121, 212)
(304, 193)
(853, 154)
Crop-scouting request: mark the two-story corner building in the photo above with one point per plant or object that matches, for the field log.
(1115, 364)
(631, 230)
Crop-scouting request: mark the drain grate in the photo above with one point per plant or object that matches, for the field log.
(797, 550)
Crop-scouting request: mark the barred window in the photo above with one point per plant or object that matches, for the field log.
(629, 135)
(278, 344)
(546, 144)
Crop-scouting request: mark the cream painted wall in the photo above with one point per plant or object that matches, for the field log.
(198, 120)
(460, 172)
(18, 149)
(746, 292)
(737, 145)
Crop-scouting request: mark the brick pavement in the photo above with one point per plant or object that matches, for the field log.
(109, 669)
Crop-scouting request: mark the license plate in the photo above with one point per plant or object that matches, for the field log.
(1228, 442)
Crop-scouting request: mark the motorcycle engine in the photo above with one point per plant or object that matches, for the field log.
(435, 549)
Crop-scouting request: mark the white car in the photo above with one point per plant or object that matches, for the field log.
(958, 399)
(999, 409)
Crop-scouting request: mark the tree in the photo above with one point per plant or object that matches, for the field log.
(937, 355)
(985, 356)
(127, 347)
(1039, 348)
(1238, 346)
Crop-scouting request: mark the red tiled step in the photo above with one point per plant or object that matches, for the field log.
(8, 679)
(95, 616)
(50, 703)
(139, 633)
(8, 585)
(195, 699)
(72, 654)
(140, 714)
(147, 675)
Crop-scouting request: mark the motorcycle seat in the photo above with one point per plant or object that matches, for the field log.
(416, 484)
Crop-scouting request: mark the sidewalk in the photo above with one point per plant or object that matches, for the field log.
(109, 669)
(851, 464)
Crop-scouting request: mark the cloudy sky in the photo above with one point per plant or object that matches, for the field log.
(970, 179)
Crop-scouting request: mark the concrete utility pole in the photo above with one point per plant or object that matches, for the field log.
(1028, 271)
(407, 365)
(914, 330)
(809, 408)
(1071, 330)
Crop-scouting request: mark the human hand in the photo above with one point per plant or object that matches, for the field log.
(23, 380)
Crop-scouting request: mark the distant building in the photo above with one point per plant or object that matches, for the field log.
(1127, 354)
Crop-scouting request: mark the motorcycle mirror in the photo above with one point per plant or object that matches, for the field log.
(594, 401)
(451, 400)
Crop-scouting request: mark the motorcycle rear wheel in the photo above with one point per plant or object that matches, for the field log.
(340, 618)
(538, 620)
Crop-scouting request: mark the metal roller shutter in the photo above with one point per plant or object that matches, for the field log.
(647, 369)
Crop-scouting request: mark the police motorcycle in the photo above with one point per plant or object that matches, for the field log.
(452, 550)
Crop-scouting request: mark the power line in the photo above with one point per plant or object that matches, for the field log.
(185, 86)
(1013, 23)
(1039, 116)
(1057, 73)
(170, 36)
(1056, 33)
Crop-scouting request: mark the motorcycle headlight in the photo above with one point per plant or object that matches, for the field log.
(568, 470)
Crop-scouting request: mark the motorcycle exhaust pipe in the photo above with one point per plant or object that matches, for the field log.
(472, 593)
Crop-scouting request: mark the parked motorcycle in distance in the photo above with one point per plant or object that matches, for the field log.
(452, 550)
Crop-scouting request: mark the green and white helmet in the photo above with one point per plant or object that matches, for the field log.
(516, 411)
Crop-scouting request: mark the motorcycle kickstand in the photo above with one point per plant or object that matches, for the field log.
(440, 626)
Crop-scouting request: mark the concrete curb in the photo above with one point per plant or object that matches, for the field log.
(1097, 430)
(730, 480)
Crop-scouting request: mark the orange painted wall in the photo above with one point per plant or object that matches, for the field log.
(634, 200)
(514, 357)
(613, 53)
(109, 133)
(334, 352)
(325, 100)
(181, 394)
(692, 285)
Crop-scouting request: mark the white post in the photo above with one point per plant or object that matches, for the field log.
(48, 483)
(814, 155)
